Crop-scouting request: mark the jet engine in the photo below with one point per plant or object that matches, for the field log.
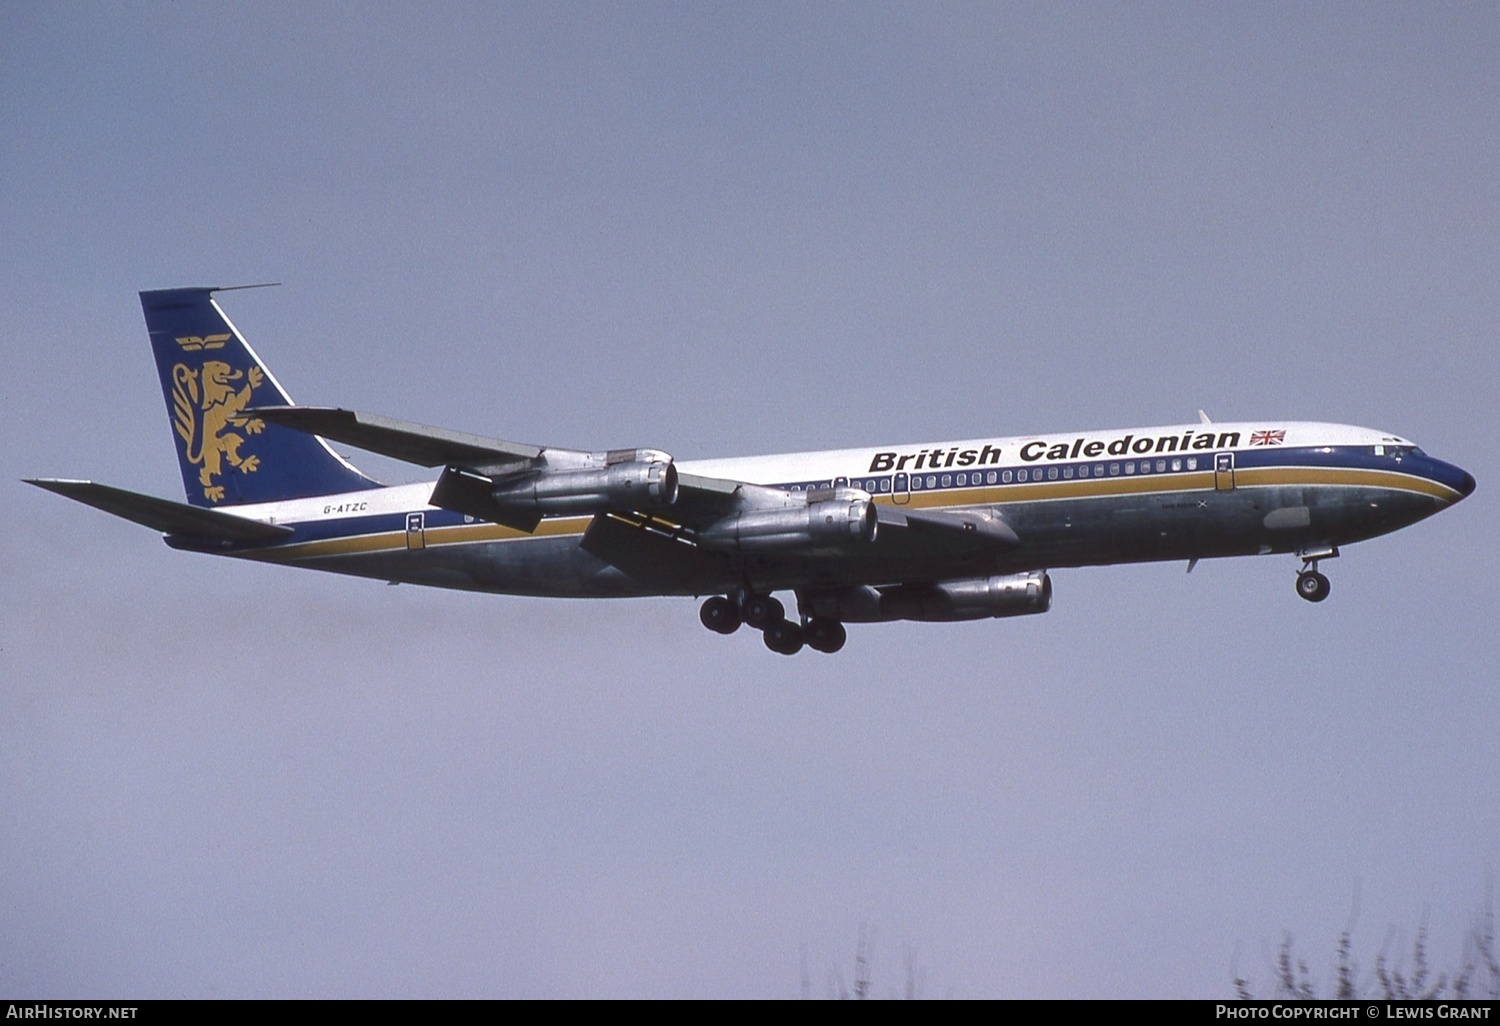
(627, 485)
(831, 523)
(973, 598)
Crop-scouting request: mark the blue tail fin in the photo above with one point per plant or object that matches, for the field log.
(209, 376)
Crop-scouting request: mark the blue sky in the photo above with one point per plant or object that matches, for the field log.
(723, 231)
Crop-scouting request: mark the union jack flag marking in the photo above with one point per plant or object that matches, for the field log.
(1267, 437)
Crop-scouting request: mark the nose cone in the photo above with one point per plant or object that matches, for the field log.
(1460, 480)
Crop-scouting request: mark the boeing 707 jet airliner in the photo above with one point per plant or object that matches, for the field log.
(946, 531)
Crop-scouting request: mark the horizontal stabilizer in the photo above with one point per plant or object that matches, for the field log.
(398, 439)
(162, 515)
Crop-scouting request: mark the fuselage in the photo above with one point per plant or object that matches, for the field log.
(1180, 492)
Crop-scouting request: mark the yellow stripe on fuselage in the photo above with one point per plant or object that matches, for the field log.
(1352, 476)
(386, 541)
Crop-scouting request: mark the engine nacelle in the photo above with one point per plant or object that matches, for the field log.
(618, 488)
(832, 523)
(974, 598)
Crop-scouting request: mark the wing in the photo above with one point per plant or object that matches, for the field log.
(510, 483)
(398, 439)
(657, 525)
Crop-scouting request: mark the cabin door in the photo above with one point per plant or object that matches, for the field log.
(901, 489)
(1224, 472)
(416, 534)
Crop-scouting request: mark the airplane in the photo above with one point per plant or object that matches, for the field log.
(941, 531)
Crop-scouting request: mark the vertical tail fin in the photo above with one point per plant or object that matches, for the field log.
(209, 376)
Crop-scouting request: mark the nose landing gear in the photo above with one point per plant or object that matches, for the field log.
(1312, 585)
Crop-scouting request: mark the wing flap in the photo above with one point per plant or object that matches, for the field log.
(653, 558)
(174, 518)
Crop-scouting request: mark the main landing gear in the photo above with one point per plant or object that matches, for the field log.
(767, 615)
(1312, 585)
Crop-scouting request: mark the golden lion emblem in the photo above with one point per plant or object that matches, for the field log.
(206, 405)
